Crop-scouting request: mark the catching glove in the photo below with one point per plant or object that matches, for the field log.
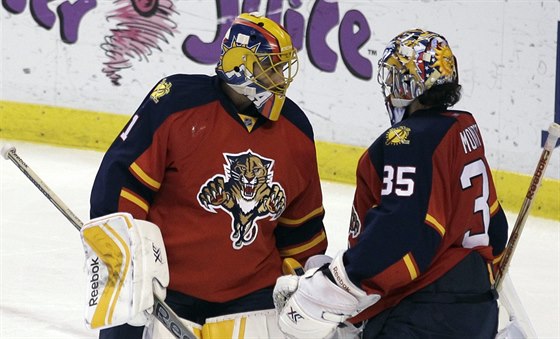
(126, 264)
(313, 306)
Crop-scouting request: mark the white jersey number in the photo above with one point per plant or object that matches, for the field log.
(401, 185)
(477, 237)
(124, 134)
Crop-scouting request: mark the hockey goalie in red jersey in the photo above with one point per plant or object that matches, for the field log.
(426, 229)
(225, 166)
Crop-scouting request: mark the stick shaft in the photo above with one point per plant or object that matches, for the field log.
(553, 134)
(47, 192)
(162, 311)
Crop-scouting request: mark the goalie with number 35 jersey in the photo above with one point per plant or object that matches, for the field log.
(226, 167)
(426, 230)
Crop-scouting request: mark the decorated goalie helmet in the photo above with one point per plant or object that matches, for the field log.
(412, 63)
(259, 61)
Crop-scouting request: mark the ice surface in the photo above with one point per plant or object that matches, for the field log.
(41, 277)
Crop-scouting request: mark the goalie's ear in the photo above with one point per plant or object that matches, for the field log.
(126, 263)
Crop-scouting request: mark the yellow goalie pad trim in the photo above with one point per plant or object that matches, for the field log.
(255, 324)
(233, 328)
(109, 252)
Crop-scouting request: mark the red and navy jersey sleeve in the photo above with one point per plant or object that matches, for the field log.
(424, 199)
(300, 232)
(134, 165)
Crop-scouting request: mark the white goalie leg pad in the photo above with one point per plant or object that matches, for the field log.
(256, 324)
(125, 263)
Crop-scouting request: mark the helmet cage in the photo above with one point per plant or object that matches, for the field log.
(273, 72)
(398, 85)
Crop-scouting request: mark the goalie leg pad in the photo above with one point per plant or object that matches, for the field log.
(126, 264)
(256, 325)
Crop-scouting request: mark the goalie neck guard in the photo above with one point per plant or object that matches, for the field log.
(259, 61)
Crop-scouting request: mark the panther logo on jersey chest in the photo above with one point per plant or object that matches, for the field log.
(246, 192)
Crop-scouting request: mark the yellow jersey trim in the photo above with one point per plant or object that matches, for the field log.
(439, 227)
(144, 176)
(135, 200)
(296, 250)
(410, 266)
(314, 213)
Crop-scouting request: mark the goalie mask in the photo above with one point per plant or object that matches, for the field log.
(259, 61)
(411, 64)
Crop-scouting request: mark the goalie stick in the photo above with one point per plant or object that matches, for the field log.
(519, 321)
(550, 144)
(162, 311)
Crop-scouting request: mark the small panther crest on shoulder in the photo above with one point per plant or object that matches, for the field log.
(397, 136)
(161, 89)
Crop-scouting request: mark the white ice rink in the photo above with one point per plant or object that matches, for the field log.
(41, 275)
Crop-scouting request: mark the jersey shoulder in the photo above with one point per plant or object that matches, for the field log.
(427, 127)
(461, 117)
(416, 137)
(293, 113)
(177, 93)
(433, 125)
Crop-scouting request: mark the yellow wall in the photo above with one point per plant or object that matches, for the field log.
(93, 130)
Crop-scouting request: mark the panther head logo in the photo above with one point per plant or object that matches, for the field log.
(246, 192)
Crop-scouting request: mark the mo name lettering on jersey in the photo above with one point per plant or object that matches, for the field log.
(471, 139)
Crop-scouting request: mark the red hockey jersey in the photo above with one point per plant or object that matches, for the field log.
(232, 194)
(425, 198)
